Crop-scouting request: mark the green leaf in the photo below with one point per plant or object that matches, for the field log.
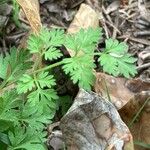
(116, 61)
(56, 37)
(109, 64)
(45, 80)
(46, 42)
(113, 46)
(27, 139)
(44, 36)
(4, 138)
(26, 83)
(8, 113)
(13, 65)
(44, 99)
(52, 53)
(34, 43)
(80, 71)
(34, 118)
(84, 40)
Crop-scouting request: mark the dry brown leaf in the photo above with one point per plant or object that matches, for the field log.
(117, 90)
(140, 129)
(120, 90)
(128, 96)
(85, 17)
(31, 10)
(93, 123)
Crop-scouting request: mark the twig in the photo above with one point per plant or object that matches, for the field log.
(143, 66)
(143, 41)
(116, 25)
(142, 33)
(106, 30)
(110, 22)
(113, 27)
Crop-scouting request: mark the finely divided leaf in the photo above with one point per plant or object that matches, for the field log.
(44, 99)
(3, 67)
(84, 40)
(26, 83)
(51, 38)
(126, 69)
(34, 43)
(27, 139)
(45, 80)
(44, 36)
(113, 46)
(8, 113)
(52, 53)
(116, 61)
(46, 43)
(56, 37)
(14, 64)
(89, 39)
(80, 70)
(34, 118)
(109, 64)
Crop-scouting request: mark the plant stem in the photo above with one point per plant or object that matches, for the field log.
(138, 113)
(38, 61)
(98, 53)
(48, 67)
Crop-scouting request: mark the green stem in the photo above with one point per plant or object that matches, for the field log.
(98, 53)
(138, 113)
(38, 61)
(48, 67)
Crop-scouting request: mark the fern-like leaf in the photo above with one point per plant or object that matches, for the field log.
(113, 45)
(9, 101)
(56, 37)
(80, 71)
(116, 61)
(52, 53)
(14, 64)
(27, 139)
(35, 44)
(45, 80)
(34, 118)
(44, 99)
(46, 43)
(26, 83)
(84, 40)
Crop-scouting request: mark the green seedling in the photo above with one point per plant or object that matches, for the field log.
(32, 101)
